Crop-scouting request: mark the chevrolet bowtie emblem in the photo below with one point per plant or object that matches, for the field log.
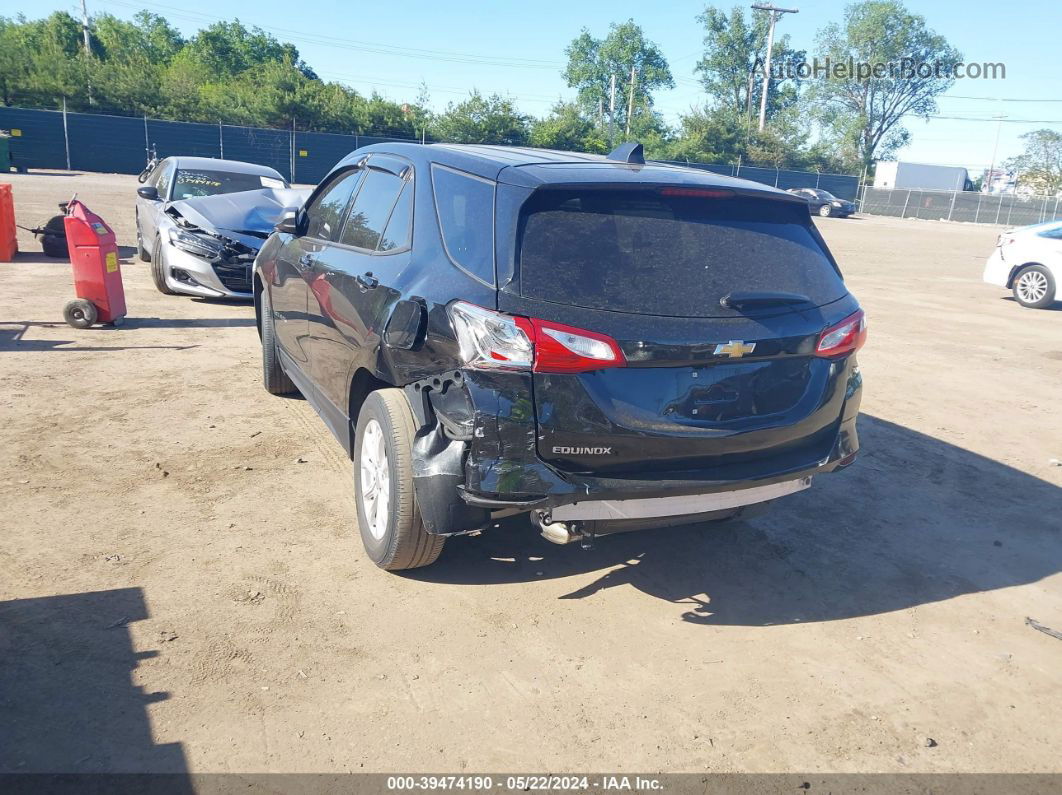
(735, 349)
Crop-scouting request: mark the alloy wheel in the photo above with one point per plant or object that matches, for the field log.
(375, 479)
(1032, 286)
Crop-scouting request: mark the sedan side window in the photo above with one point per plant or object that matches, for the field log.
(371, 209)
(325, 214)
(163, 185)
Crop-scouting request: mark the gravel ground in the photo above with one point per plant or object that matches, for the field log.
(182, 585)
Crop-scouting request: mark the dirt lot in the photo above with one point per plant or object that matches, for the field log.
(183, 587)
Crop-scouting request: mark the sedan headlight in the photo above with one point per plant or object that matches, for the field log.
(200, 245)
(837, 204)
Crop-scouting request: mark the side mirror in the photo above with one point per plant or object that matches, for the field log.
(149, 192)
(288, 224)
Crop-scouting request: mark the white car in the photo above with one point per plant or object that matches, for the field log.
(1028, 261)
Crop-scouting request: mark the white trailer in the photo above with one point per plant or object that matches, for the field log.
(919, 176)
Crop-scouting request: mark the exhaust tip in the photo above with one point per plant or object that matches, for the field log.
(557, 533)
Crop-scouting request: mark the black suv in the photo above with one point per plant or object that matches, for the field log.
(603, 343)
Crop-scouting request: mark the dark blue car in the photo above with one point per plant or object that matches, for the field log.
(602, 343)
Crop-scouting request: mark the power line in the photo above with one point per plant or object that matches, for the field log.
(359, 46)
(1005, 121)
(998, 99)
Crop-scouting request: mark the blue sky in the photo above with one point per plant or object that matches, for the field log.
(518, 51)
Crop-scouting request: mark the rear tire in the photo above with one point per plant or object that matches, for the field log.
(388, 516)
(274, 378)
(158, 272)
(1034, 287)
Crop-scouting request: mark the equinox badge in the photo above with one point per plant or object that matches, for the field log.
(583, 450)
(735, 349)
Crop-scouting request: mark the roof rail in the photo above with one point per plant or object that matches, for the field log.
(630, 152)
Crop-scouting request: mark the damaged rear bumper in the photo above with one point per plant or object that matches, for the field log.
(475, 458)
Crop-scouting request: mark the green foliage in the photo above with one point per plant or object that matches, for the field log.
(225, 73)
(567, 128)
(1040, 165)
(482, 120)
(863, 115)
(735, 51)
(234, 74)
(592, 63)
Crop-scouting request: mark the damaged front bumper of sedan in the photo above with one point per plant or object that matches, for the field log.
(201, 262)
(211, 242)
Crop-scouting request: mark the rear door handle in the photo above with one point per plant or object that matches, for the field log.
(306, 260)
(367, 281)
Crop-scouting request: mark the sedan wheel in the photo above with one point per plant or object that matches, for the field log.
(826, 211)
(1034, 287)
(375, 480)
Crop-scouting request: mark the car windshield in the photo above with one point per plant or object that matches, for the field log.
(823, 194)
(648, 253)
(194, 182)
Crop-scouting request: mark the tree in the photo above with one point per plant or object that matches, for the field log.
(592, 63)
(228, 48)
(709, 135)
(902, 67)
(482, 120)
(735, 53)
(1040, 165)
(568, 128)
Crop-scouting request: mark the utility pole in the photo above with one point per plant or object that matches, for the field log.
(611, 108)
(85, 27)
(630, 104)
(995, 148)
(775, 15)
(88, 47)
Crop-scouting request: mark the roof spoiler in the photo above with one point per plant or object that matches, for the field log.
(630, 152)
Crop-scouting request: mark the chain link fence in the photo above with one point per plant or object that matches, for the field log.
(968, 206)
(118, 144)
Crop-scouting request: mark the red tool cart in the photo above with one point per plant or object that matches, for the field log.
(97, 274)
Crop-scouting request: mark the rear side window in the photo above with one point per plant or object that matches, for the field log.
(465, 206)
(371, 209)
(648, 253)
(325, 214)
(399, 231)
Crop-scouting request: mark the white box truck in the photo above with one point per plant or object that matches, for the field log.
(919, 176)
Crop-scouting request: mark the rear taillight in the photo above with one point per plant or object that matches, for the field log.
(495, 341)
(490, 340)
(847, 336)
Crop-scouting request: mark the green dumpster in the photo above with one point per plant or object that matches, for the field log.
(5, 153)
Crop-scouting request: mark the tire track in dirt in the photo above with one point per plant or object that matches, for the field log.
(318, 435)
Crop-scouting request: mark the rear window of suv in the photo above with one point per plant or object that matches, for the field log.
(649, 253)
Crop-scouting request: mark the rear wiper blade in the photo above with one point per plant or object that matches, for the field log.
(737, 300)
